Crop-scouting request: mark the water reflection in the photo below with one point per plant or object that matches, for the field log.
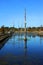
(41, 39)
(25, 44)
(25, 52)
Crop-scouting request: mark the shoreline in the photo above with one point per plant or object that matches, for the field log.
(29, 33)
(33, 32)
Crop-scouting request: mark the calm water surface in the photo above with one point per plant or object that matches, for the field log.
(16, 51)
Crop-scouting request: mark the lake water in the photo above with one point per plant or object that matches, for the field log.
(16, 51)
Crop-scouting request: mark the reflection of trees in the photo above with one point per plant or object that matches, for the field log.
(41, 39)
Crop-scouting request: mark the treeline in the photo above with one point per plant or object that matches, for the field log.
(35, 29)
(4, 29)
(32, 29)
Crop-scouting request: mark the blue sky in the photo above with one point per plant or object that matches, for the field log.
(12, 12)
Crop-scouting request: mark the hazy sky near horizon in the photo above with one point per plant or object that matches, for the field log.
(12, 12)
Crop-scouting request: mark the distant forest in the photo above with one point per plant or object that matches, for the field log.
(6, 29)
